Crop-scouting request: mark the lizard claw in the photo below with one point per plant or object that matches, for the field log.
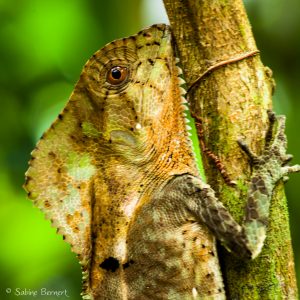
(272, 120)
(290, 169)
(252, 156)
(285, 179)
(287, 158)
(287, 170)
(271, 115)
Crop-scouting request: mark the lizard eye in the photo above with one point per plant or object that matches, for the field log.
(117, 75)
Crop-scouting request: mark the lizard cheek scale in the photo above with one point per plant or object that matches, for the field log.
(117, 177)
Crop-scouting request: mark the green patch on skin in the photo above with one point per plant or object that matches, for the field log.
(79, 166)
(72, 201)
(89, 130)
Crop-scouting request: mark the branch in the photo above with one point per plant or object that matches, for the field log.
(232, 102)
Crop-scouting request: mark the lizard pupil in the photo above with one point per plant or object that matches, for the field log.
(117, 75)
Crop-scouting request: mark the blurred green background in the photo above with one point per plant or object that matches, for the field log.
(43, 47)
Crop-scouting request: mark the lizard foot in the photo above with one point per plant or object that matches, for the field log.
(274, 159)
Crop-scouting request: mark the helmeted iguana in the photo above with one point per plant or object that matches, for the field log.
(116, 174)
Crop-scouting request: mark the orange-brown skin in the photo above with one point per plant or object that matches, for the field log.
(132, 139)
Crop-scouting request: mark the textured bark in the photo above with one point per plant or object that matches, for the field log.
(232, 101)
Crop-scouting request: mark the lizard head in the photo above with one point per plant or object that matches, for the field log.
(133, 93)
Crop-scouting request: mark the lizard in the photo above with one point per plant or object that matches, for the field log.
(117, 176)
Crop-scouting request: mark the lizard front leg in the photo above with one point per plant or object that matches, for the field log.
(247, 240)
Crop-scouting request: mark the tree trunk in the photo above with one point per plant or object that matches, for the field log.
(232, 102)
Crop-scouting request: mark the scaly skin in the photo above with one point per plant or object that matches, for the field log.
(116, 174)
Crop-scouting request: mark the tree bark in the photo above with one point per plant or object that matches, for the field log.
(232, 102)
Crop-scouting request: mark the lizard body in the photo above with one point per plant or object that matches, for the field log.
(117, 176)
